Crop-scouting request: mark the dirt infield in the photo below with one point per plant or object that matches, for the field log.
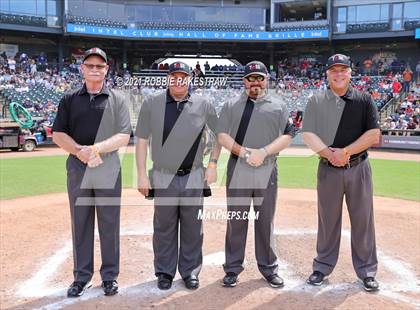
(36, 260)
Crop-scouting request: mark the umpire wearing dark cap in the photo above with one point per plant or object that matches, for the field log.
(254, 128)
(340, 124)
(92, 123)
(174, 121)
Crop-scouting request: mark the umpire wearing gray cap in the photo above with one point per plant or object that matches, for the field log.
(92, 123)
(340, 124)
(174, 121)
(254, 128)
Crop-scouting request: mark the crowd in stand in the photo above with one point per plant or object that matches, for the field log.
(382, 89)
(38, 86)
(406, 115)
(207, 67)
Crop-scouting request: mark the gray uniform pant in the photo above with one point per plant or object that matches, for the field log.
(356, 184)
(176, 213)
(83, 223)
(237, 229)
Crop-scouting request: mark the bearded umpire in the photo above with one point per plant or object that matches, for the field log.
(92, 123)
(254, 128)
(340, 124)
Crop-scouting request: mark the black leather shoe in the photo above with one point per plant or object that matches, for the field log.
(77, 288)
(316, 278)
(164, 281)
(275, 281)
(230, 279)
(110, 287)
(370, 284)
(191, 282)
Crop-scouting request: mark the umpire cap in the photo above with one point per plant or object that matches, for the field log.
(255, 67)
(338, 59)
(179, 66)
(95, 51)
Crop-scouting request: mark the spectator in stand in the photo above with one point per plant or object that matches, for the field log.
(12, 64)
(206, 66)
(197, 73)
(405, 104)
(33, 67)
(388, 124)
(380, 67)
(367, 63)
(409, 112)
(411, 96)
(394, 66)
(42, 62)
(396, 87)
(304, 67)
(407, 77)
(411, 124)
(402, 123)
(42, 59)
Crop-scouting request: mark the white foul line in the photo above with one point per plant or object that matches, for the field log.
(35, 286)
(217, 258)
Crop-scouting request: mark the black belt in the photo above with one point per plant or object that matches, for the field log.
(353, 162)
(179, 172)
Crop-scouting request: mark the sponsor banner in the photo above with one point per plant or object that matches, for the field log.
(197, 35)
(400, 142)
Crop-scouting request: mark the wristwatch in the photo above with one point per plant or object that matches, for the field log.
(247, 154)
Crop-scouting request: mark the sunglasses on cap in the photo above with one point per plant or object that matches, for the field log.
(253, 78)
(92, 66)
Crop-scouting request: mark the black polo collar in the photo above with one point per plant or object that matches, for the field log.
(170, 99)
(104, 90)
(349, 93)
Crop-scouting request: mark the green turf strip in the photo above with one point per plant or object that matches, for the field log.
(20, 177)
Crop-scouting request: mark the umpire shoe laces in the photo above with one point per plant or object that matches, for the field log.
(230, 279)
(275, 281)
(164, 281)
(77, 288)
(110, 287)
(370, 284)
(316, 278)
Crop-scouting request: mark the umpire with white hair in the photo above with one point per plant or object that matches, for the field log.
(92, 123)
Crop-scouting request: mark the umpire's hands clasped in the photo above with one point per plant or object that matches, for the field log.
(338, 158)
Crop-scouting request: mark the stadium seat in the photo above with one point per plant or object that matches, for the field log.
(411, 25)
(191, 26)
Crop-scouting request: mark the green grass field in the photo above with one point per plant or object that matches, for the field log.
(21, 177)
